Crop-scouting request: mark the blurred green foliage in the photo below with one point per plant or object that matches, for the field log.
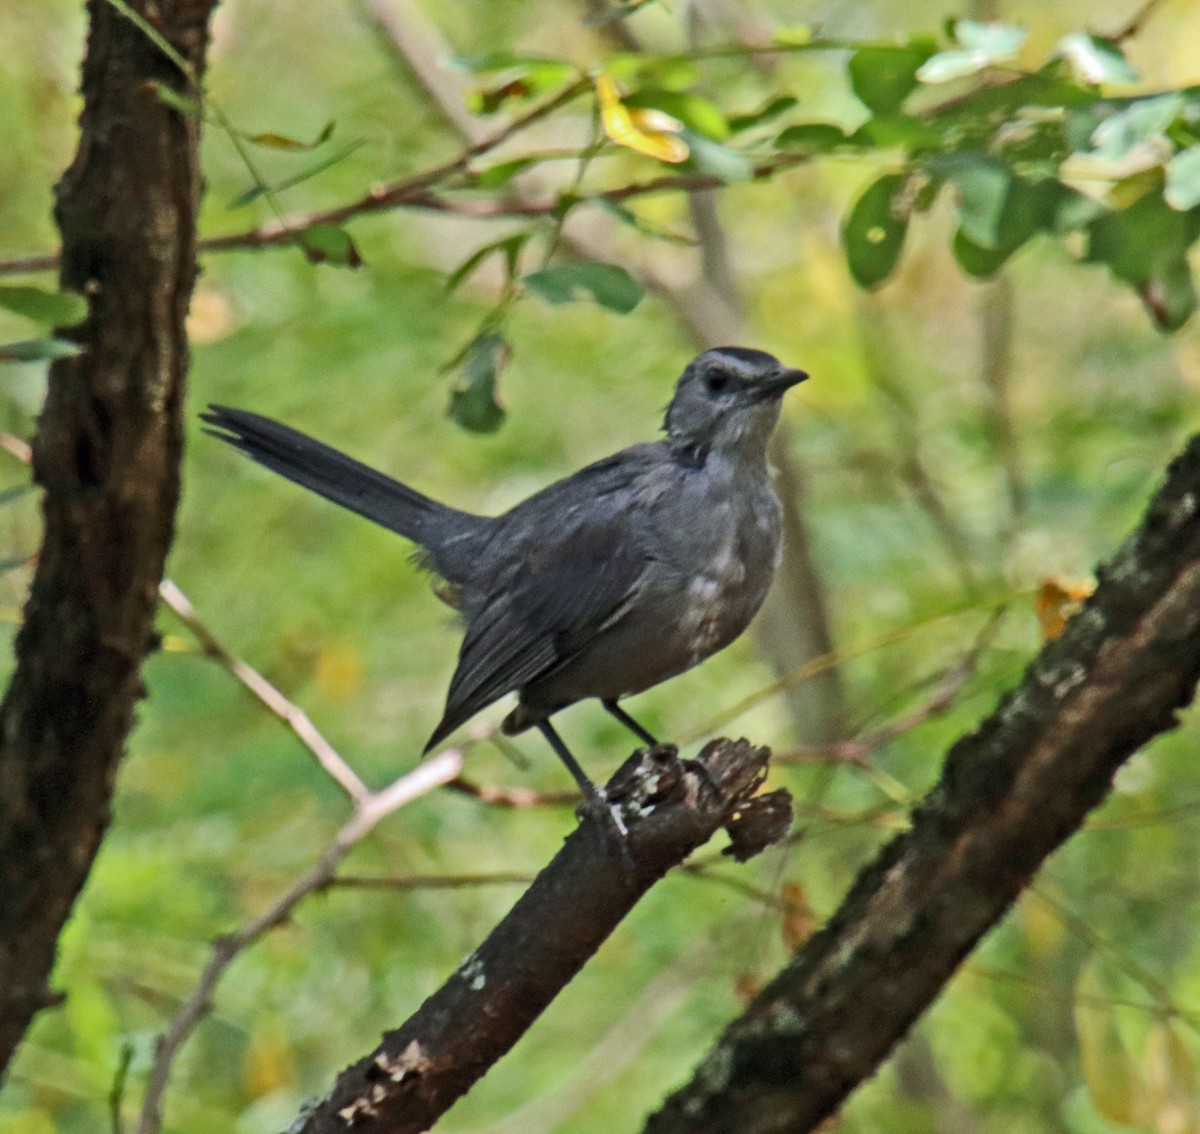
(961, 441)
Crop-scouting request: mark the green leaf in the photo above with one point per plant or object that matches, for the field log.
(883, 77)
(711, 157)
(995, 40)
(1183, 180)
(610, 285)
(510, 246)
(765, 113)
(886, 131)
(524, 78)
(812, 137)
(256, 191)
(329, 244)
(983, 184)
(282, 142)
(54, 308)
(38, 350)
(955, 63)
(1028, 207)
(1146, 246)
(629, 217)
(186, 105)
(873, 234)
(473, 402)
(1142, 120)
(1095, 59)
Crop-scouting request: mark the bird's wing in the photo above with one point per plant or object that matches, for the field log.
(548, 604)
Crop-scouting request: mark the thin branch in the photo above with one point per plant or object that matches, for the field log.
(858, 749)
(500, 795)
(1136, 22)
(670, 808)
(291, 715)
(368, 811)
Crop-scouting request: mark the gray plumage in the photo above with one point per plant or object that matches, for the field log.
(605, 583)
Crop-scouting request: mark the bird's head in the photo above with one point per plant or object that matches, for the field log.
(727, 400)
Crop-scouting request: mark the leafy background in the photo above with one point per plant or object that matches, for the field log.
(1079, 1013)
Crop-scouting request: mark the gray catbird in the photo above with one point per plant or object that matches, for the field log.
(605, 583)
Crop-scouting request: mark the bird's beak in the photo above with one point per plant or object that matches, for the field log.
(783, 380)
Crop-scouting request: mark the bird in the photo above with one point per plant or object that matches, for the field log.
(603, 584)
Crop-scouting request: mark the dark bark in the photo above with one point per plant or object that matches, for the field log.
(671, 808)
(1010, 793)
(107, 455)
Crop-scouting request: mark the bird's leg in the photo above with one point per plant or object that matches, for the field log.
(594, 799)
(629, 722)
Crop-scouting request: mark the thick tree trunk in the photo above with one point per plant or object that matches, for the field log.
(107, 455)
(1010, 794)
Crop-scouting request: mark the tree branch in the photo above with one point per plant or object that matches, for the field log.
(1010, 793)
(671, 808)
(107, 455)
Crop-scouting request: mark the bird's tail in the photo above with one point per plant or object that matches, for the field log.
(348, 482)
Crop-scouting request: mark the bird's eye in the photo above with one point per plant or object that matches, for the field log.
(716, 381)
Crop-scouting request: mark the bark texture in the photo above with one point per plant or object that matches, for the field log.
(107, 455)
(671, 807)
(1009, 795)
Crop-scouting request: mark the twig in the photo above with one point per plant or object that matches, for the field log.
(1136, 22)
(18, 448)
(368, 811)
(516, 797)
(429, 881)
(996, 366)
(857, 750)
(291, 715)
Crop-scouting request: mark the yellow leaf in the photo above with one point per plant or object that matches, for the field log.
(1057, 601)
(1109, 1073)
(799, 921)
(649, 132)
(339, 669)
(1171, 1078)
(268, 1064)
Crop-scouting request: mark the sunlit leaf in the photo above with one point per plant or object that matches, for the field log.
(1142, 120)
(54, 308)
(1171, 1078)
(610, 285)
(656, 138)
(1096, 59)
(329, 244)
(873, 234)
(995, 40)
(38, 350)
(883, 77)
(474, 402)
(1182, 189)
(954, 63)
